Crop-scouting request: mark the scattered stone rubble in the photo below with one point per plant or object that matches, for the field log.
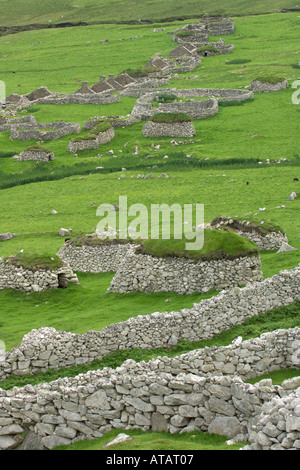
(273, 240)
(36, 155)
(260, 87)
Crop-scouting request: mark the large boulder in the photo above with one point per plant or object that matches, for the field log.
(225, 426)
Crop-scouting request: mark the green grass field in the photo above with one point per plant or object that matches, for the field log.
(17, 13)
(256, 142)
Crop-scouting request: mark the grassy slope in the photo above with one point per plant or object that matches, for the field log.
(16, 12)
(226, 137)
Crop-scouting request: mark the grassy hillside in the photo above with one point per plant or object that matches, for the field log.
(65, 57)
(243, 162)
(18, 12)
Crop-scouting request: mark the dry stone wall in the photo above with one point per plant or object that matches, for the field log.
(176, 129)
(260, 87)
(114, 121)
(84, 144)
(145, 273)
(37, 155)
(194, 109)
(146, 396)
(270, 241)
(47, 348)
(93, 259)
(278, 425)
(45, 131)
(20, 278)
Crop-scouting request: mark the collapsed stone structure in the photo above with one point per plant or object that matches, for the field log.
(208, 26)
(178, 63)
(195, 109)
(277, 427)
(37, 280)
(263, 87)
(39, 155)
(265, 239)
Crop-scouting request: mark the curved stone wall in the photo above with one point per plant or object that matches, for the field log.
(144, 395)
(93, 259)
(84, 144)
(145, 273)
(222, 94)
(47, 348)
(41, 156)
(39, 134)
(260, 87)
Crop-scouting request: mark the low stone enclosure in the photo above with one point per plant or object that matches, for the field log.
(210, 26)
(44, 131)
(196, 109)
(162, 129)
(92, 142)
(266, 235)
(36, 154)
(15, 276)
(84, 255)
(200, 390)
(268, 87)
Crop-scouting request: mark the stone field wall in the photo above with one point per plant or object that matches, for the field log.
(222, 94)
(41, 156)
(93, 259)
(259, 87)
(173, 395)
(45, 134)
(47, 348)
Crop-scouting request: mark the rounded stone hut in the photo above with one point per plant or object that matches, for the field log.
(225, 261)
(34, 273)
